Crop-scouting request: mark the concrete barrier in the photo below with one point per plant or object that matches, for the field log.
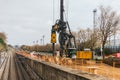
(50, 71)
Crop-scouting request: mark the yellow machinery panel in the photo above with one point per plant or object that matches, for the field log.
(53, 38)
(84, 54)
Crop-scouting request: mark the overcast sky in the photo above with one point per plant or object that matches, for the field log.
(25, 21)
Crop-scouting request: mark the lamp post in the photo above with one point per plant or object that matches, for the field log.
(37, 42)
(94, 25)
(94, 19)
(33, 42)
(43, 39)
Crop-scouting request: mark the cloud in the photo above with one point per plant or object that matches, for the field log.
(28, 20)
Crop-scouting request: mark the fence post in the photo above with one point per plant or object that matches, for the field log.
(113, 69)
(82, 65)
(100, 63)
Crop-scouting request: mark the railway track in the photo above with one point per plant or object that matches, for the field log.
(14, 68)
(29, 70)
(4, 70)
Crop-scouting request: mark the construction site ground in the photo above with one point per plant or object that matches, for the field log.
(88, 66)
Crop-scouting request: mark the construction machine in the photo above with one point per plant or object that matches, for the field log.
(66, 38)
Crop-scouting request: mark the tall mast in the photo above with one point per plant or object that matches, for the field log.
(62, 29)
(61, 10)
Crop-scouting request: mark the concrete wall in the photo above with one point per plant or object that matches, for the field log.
(49, 71)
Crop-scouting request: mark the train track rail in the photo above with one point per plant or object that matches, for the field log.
(29, 70)
(14, 68)
(4, 70)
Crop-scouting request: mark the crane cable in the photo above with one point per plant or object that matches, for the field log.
(66, 12)
(58, 9)
(67, 8)
(53, 11)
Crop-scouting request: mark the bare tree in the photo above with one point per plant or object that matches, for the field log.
(86, 38)
(108, 22)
